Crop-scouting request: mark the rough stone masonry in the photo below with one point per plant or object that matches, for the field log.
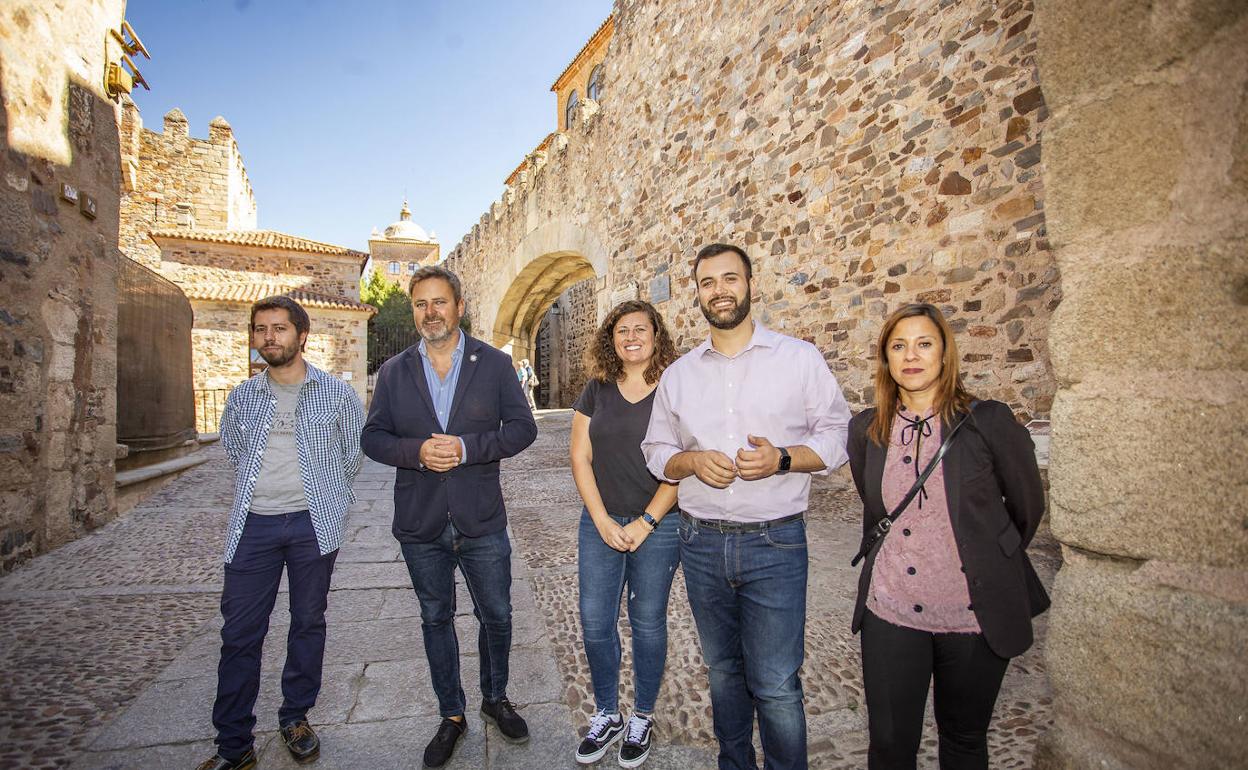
(865, 154)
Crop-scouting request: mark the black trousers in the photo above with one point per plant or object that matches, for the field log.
(898, 664)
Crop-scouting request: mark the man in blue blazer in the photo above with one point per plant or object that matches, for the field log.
(444, 412)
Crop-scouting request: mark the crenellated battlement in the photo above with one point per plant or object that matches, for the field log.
(175, 180)
(546, 159)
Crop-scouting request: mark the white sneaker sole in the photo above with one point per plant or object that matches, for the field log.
(633, 762)
(589, 759)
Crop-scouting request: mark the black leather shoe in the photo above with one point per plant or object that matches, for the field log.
(502, 714)
(440, 749)
(218, 762)
(301, 741)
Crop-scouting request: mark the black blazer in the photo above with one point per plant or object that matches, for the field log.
(489, 412)
(996, 500)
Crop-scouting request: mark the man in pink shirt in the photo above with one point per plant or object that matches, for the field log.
(740, 422)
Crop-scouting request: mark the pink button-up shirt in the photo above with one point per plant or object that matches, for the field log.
(917, 579)
(779, 388)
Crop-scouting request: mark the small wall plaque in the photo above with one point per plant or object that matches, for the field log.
(87, 206)
(624, 292)
(69, 193)
(660, 288)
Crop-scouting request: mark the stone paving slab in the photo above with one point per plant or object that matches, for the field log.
(393, 744)
(181, 711)
(163, 757)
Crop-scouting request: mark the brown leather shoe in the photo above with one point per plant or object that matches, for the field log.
(218, 762)
(301, 741)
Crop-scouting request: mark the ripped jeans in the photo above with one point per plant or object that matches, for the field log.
(648, 573)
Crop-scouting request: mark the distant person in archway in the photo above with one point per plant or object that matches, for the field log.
(627, 537)
(947, 592)
(742, 421)
(444, 413)
(528, 381)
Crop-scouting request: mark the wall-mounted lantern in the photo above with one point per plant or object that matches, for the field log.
(120, 79)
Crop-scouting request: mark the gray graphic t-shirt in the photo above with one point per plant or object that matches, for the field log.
(280, 487)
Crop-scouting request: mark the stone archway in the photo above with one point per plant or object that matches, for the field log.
(546, 262)
(532, 292)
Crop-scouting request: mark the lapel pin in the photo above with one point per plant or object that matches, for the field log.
(473, 358)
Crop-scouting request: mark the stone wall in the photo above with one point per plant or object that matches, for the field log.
(221, 343)
(174, 180)
(1147, 171)
(58, 271)
(865, 155)
(580, 321)
(201, 263)
(338, 344)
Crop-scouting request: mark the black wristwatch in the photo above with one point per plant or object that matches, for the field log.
(786, 462)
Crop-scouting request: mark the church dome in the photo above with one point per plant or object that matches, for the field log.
(405, 229)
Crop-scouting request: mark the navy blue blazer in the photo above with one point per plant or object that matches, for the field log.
(489, 412)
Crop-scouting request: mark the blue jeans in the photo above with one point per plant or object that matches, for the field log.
(748, 596)
(268, 544)
(603, 572)
(486, 566)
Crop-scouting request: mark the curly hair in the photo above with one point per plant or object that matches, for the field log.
(604, 363)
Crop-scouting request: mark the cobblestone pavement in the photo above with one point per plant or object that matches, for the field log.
(110, 643)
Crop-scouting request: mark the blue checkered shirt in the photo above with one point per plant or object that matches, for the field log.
(328, 420)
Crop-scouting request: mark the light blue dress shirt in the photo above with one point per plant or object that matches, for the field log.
(443, 391)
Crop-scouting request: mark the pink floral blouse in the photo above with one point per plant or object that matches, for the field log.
(918, 580)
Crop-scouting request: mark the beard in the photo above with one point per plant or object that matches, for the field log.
(436, 336)
(729, 318)
(281, 356)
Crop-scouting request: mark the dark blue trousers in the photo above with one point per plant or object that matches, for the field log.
(269, 544)
(486, 566)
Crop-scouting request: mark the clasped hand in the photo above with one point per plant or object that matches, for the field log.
(628, 537)
(718, 470)
(440, 452)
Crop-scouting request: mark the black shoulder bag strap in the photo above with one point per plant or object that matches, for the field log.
(881, 528)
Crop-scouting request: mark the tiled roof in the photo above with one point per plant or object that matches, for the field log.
(251, 292)
(269, 239)
(592, 39)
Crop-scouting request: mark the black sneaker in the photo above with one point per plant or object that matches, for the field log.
(301, 741)
(604, 730)
(440, 749)
(636, 745)
(218, 762)
(502, 714)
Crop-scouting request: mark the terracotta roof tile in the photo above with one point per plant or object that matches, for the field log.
(246, 293)
(270, 239)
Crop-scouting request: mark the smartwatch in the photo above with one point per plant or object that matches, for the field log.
(646, 517)
(786, 462)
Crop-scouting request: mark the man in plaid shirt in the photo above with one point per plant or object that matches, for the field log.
(292, 434)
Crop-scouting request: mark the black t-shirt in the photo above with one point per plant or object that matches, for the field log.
(616, 429)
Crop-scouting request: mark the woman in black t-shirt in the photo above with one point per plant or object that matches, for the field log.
(626, 535)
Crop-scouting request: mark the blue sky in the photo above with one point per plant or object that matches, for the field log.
(340, 108)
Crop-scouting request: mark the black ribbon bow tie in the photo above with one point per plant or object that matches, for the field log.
(915, 430)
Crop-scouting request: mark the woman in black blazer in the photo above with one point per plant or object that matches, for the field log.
(949, 593)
